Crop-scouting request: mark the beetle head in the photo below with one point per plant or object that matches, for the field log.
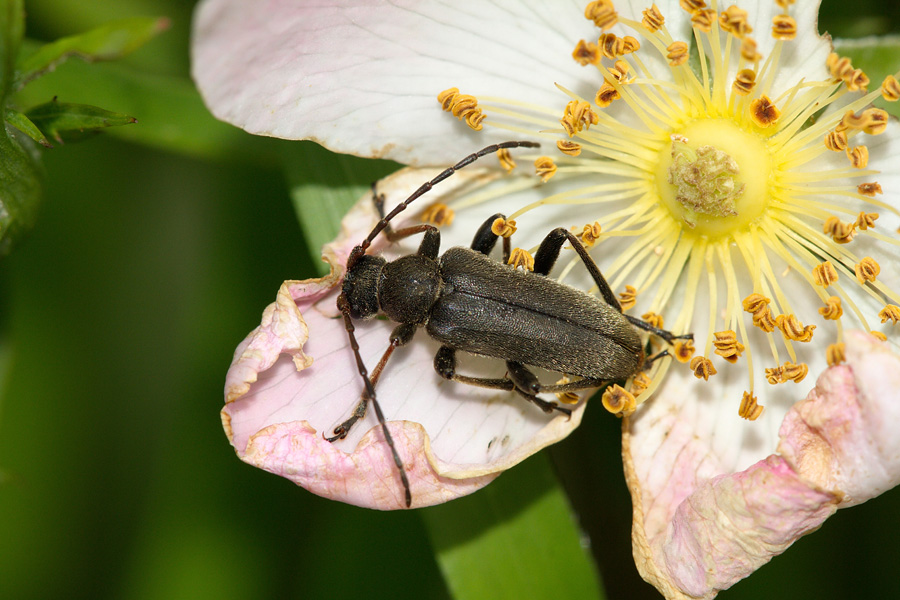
(361, 286)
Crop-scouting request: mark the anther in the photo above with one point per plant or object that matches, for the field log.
(824, 274)
(744, 82)
(628, 298)
(602, 13)
(787, 372)
(750, 408)
(832, 310)
(727, 345)
(462, 106)
(612, 46)
(784, 27)
(586, 53)
(639, 383)
(734, 21)
(590, 234)
(859, 157)
(869, 189)
(618, 401)
(506, 160)
(521, 258)
(878, 336)
(834, 354)
(874, 121)
(866, 270)
(702, 367)
(840, 232)
(890, 311)
(653, 19)
(568, 147)
(754, 303)
(692, 5)
(703, 19)
(836, 140)
(606, 95)
(866, 220)
(763, 112)
(684, 350)
(839, 66)
(566, 397)
(578, 115)
(748, 50)
(784, 3)
(619, 72)
(793, 329)
(545, 168)
(654, 319)
(890, 89)
(503, 227)
(438, 214)
(677, 53)
(856, 80)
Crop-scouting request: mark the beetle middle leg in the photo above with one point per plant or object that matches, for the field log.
(519, 379)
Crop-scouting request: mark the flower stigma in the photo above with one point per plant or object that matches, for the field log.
(704, 173)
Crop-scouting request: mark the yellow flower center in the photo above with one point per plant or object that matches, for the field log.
(715, 177)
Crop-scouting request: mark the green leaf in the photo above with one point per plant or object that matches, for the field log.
(12, 26)
(324, 186)
(514, 539)
(107, 42)
(878, 56)
(25, 125)
(60, 120)
(20, 190)
(170, 112)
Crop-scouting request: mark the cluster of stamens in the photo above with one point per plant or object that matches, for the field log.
(690, 205)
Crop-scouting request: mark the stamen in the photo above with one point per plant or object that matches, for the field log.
(438, 214)
(734, 21)
(640, 383)
(890, 89)
(602, 13)
(787, 372)
(613, 46)
(684, 350)
(618, 401)
(836, 141)
(703, 19)
(692, 5)
(744, 82)
(793, 329)
(834, 354)
(866, 270)
(869, 189)
(586, 53)
(521, 258)
(890, 311)
(653, 19)
(654, 319)
(859, 157)
(784, 27)
(628, 298)
(702, 367)
(606, 95)
(506, 160)
(568, 147)
(866, 221)
(763, 112)
(878, 335)
(590, 234)
(727, 345)
(462, 106)
(503, 227)
(545, 168)
(840, 232)
(750, 408)
(677, 53)
(748, 50)
(832, 310)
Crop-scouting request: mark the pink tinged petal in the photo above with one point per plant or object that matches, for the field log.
(700, 528)
(294, 379)
(363, 77)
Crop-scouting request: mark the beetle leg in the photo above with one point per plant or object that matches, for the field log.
(548, 252)
(445, 365)
(666, 335)
(528, 385)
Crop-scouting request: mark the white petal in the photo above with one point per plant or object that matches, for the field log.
(362, 78)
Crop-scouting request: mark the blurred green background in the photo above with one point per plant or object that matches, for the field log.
(157, 247)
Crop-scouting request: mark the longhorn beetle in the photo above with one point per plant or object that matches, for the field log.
(470, 303)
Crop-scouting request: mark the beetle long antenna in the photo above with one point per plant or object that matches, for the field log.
(426, 187)
(369, 392)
